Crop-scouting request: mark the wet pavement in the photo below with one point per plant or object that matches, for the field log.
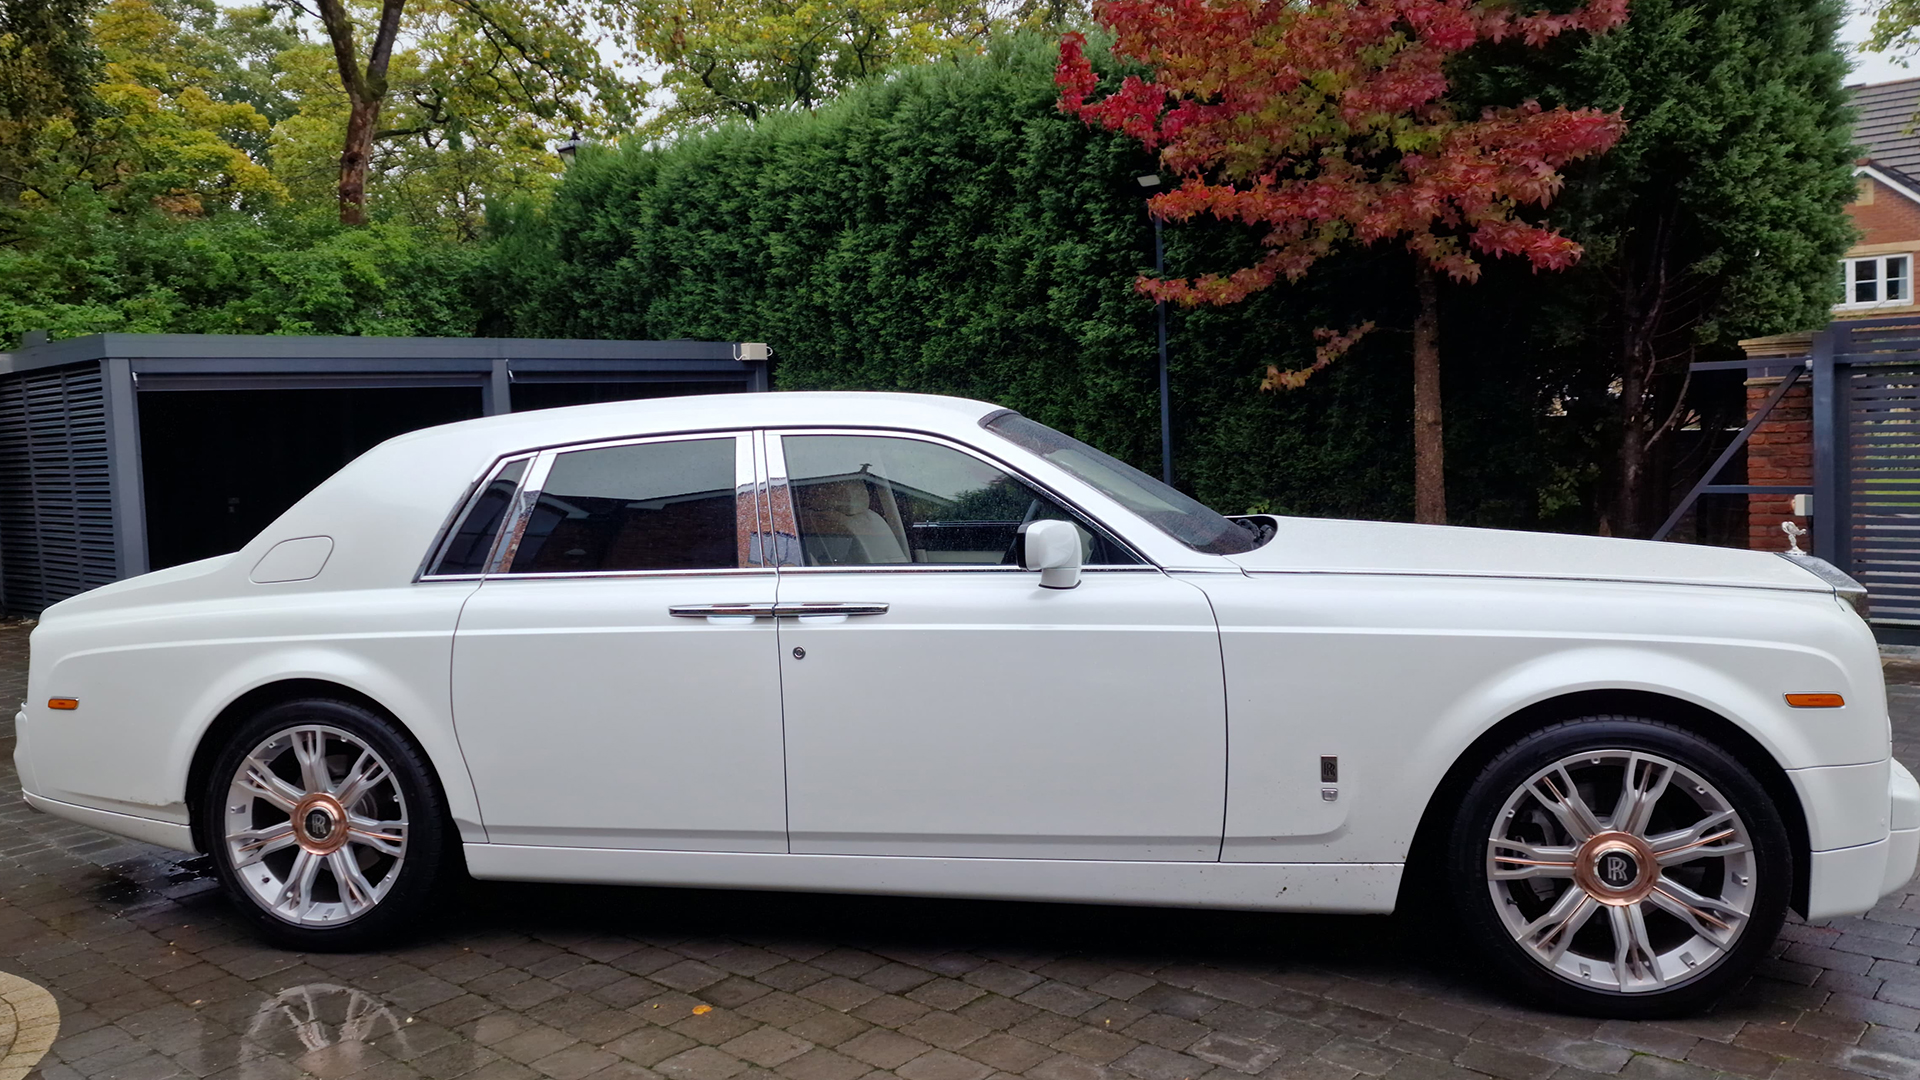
(154, 978)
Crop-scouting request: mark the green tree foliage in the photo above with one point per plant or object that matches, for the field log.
(948, 230)
(48, 68)
(152, 134)
(743, 59)
(463, 90)
(93, 271)
(1718, 217)
(1896, 27)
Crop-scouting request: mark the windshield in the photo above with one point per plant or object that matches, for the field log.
(1169, 511)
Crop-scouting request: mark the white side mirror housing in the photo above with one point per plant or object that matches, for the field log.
(1053, 548)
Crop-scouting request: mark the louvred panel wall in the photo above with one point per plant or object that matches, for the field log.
(56, 497)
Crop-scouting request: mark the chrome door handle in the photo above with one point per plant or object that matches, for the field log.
(827, 607)
(708, 611)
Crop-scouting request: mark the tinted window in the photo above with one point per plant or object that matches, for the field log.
(654, 506)
(868, 500)
(1171, 512)
(472, 539)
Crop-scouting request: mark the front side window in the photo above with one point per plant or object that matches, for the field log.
(648, 506)
(472, 539)
(875, 500)
(1166, 509)
(1879, 280)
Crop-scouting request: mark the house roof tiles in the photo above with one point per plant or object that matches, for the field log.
(1885, 127)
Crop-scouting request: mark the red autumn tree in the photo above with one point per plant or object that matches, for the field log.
(1326, 122)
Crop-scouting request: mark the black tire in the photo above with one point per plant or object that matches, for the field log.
(416, 873)
(1766, 884)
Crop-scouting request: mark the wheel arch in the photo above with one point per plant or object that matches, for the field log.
(1429, 840)
(251, 703)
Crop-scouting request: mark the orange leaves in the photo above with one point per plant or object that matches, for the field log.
(1326, 121)
(1332, 345)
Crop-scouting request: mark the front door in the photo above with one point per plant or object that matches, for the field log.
(942, 703)
(613, 686)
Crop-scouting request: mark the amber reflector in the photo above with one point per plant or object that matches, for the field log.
(1816, 701)
(63, 703)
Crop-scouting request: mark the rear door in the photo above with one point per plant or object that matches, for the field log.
(614, 677)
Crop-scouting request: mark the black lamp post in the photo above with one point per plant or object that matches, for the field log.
(1151, 181)
(568, 147)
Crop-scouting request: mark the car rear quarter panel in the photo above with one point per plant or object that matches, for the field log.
(1398, 675)
(155, 660)
(152, 680)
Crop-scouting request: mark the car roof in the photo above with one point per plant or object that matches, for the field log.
(705, 412)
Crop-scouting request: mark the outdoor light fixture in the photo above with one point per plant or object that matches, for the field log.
(568, 147)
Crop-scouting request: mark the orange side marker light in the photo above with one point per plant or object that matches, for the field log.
(1816, 701)
(63, 703)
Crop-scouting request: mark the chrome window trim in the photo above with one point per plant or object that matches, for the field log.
(461, 509)
(530, 485)
(777, 460)
(571, 575)
(967, 568)
(536, 479)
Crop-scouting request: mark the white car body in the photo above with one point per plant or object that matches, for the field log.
(1153, 736)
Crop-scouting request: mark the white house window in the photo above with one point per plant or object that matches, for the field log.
(1882, 279)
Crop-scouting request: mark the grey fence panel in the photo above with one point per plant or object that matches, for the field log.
(56, 505)
(1883, 483)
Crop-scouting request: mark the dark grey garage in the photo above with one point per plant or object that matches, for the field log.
(123, 453)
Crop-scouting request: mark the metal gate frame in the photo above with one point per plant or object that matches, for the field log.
(1833, 355)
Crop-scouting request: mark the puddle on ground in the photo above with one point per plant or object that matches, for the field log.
(314, 1016)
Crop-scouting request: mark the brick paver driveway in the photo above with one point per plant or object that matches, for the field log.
(154, 978)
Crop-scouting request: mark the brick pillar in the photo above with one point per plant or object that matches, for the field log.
(1781, 449)
(1779, 452)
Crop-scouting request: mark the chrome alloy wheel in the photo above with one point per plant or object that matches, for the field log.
(1646, 898)
(316, 826)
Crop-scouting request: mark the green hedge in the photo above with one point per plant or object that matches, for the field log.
(86, 270)
(948, 230)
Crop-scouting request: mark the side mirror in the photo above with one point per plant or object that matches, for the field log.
(1051, 547)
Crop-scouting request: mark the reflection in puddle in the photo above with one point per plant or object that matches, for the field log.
(319, 1015)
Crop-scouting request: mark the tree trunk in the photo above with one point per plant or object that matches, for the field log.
(366, 90)
(1631, 499)
(361, 118)
(1429, 450)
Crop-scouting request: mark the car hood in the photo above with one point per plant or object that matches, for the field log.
(1315, 545)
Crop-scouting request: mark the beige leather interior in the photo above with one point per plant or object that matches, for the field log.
(839, 527)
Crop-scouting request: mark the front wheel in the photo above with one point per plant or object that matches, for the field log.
(324, 824)
(1620, 866)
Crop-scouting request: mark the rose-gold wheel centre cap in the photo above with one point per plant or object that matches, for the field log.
(320, 824)
(1616, 868)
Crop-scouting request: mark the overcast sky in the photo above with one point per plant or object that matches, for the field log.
(1870, 67)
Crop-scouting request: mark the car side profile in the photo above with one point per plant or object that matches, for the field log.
(887, 643)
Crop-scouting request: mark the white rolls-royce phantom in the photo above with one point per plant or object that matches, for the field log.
(900, 644)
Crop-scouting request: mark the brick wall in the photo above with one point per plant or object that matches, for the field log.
(1780, 452)
(1886, 216)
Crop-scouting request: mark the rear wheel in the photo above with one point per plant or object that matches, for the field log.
(324, 824)
(1620, 866)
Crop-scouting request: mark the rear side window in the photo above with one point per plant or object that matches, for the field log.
(472, 539)
(649, 506)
